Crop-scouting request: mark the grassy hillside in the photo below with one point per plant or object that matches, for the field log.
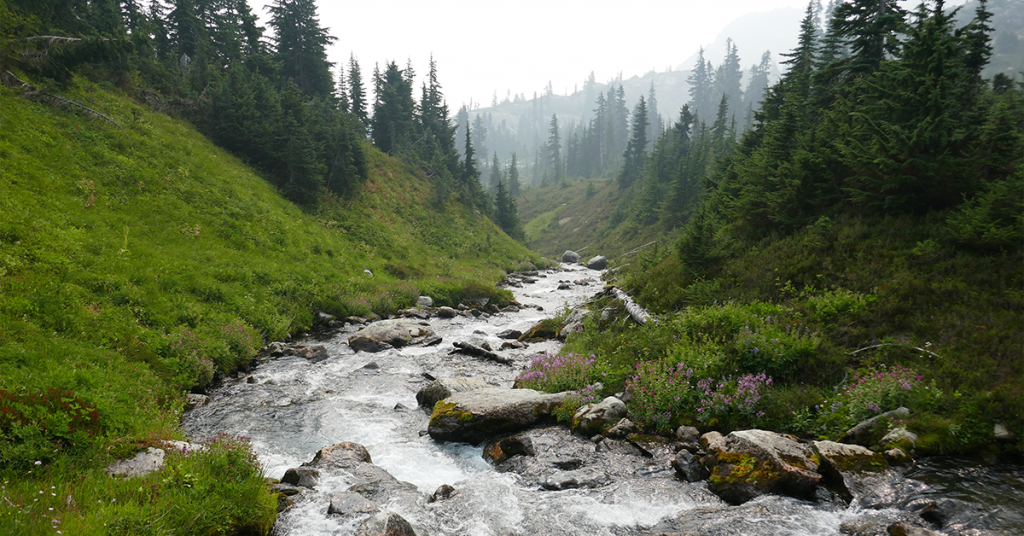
(582, 215)
(135, 266)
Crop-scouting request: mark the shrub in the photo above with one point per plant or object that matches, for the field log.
(659, 394)
(774, 350)
(554, 373)
(188, 360)
(872, 391)
(35, 425)
(576, 400)
(730, 402)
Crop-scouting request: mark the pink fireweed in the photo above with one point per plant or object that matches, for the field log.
(559, 372)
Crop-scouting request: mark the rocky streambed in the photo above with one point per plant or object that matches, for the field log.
(339, 418)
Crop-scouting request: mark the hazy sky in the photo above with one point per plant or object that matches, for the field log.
(518, 46)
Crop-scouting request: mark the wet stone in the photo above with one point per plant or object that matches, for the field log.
(350, 504)
(303, 477)
(581, 478)
(443, 492)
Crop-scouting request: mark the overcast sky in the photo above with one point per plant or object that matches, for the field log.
(481, 47)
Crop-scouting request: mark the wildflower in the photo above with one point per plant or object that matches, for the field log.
(39, 462)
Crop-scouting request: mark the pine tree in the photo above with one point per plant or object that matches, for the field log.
(701, 82)
(506, 214)
(495, 173)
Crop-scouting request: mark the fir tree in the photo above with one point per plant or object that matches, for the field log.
(357, 93)
(300, 46)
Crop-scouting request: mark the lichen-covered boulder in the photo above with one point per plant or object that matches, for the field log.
(441, 389)
(474, 416)
(757, 462)
(398, 332)
(848, 467)
(594, 418)
(545, 329)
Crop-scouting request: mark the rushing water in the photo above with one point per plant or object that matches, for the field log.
(296, 407)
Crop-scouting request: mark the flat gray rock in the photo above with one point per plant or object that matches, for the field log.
(438, 390)
(143, 463)
(350, 504)
(398, 332)
(474, 416)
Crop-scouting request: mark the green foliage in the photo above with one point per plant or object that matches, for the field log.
(38, 425)
(554, 373)
(872, 391)
(218, 490)
(660, 395)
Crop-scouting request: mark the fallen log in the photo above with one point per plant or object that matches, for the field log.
(639, 314)
(476, 351)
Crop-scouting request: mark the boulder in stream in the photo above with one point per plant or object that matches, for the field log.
(598, 263)
(594, 418)
(350, 504)
(848, 468)
(385, 524)
(510, 334)
(474, 416)
(570, 256)
(499, 450)
(688, 468)
(756, 462)
(441, 389)
(303, 477)
(341, 455)
(580, 478)
(397, 332)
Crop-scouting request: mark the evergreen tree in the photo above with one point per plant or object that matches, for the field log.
(635, 156)
(554, 149)
(730, 74)
(357, 93)
(495, 173)
(872, 28)
(506, 214)
(513, 177)
(656, 127)
(392, 126)
(300, 46)
(701, 82)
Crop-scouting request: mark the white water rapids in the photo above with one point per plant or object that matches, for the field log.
(295, 408)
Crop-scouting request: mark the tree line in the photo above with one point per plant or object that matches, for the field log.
(271, 98)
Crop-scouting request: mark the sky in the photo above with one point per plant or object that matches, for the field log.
(519, 47)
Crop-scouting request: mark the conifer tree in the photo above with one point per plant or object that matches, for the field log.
(634, 157)
(554, 149)
(300, 46)
(392, 127)
(357, 93)
(513, 177)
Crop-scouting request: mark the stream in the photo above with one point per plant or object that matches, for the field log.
(295, 407)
